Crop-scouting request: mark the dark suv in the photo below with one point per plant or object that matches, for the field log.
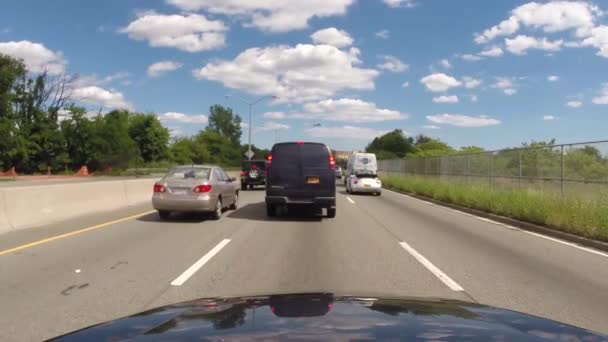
(253, 172)
(301, 173)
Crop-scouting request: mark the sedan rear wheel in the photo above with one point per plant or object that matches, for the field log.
(235, 204)
(217, 213)
(164, 214)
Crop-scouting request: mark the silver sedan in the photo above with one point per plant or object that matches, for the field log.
(195, 188)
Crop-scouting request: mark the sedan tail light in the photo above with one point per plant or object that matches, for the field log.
(202, 188)
(242, 173)
(356, 181)
(159, 188)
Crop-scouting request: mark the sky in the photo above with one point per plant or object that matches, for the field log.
(487, 73)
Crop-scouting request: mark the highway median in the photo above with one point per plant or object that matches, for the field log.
(580, 217)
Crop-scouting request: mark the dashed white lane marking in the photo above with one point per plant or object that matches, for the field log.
(429, 265)
(200, 263)
(563, 242)
(350, 200)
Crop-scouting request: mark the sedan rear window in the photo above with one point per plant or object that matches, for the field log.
(189, 173)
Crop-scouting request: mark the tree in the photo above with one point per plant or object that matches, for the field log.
(395, 143)
(471, 149)
(220, 149)
(12, 145)
(188, 151)
(149, 135)
(421, 139)
(225, 123)
(432, 147)
(111, 144)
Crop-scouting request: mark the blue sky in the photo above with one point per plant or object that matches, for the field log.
(486, 73)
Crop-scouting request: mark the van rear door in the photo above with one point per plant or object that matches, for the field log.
(301, 170)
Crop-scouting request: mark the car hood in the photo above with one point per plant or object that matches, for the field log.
(328, 316)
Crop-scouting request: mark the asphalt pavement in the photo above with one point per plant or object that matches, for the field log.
(69, 276)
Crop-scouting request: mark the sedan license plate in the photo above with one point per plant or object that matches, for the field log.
(178, 191)
(313, 180)
(366, 186)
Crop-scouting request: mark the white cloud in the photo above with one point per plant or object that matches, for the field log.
(431, 127)
(400, 3)
(598, 37)
(550, 17)
(275, 115)
(332, 36)
(272, 126)
(473, 98)
(349, 132)
(521, 44)
(184, 118)
(470, 82)
(549, 118)
(463, 120)
(446, 99)
(440, 82)
(159, 68)
(349, 110)
(405, 84)
(273, 16)
(552, 78)
(602, 99)
(494, 51)
(36, 56)
(470, 58)
(506, 84)
(300, 73)
(95, 95)
(445, 63)
(393, 64)
(574, 104)
(384, 34)
(188, 32)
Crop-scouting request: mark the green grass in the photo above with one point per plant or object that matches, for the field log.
(7, 179)
(588, 218)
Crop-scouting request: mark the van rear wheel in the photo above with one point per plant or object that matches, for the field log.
(331, 212)
(271, 211)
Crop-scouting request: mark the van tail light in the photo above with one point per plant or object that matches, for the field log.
(242, 173)
(300, 142)
(159, 188)
(202, 188)
(265, 173)
(332, 162)
(269, 162)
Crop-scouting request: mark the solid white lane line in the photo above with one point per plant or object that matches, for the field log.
(429, 265)
(350, 200)
(197, 265)
(563, 242)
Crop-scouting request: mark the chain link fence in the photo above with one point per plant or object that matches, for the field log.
(579, 169)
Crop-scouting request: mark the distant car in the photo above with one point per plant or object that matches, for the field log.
(195, 188)
(253, 172)
(338, 172)
(362, 174)
(301, 173)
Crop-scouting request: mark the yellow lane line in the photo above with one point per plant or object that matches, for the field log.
(76, 232)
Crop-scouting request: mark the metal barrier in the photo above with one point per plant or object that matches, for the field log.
(577, 169)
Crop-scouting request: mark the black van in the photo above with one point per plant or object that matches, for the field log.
(301, 173)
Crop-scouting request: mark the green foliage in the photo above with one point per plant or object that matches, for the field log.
(582, 217)
(225, 123)
(149, 135)
(391, 144)
(431, 147)
(471, 149)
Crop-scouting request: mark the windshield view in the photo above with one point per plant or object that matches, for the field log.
(182, 170)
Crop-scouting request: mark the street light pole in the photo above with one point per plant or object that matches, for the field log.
(251, 104)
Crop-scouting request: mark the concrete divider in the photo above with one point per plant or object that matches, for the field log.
(30, 206)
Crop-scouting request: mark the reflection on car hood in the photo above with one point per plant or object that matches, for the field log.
(328, 316)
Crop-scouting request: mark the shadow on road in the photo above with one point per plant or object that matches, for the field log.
(255, 189)
(176, 218)
(257, 212)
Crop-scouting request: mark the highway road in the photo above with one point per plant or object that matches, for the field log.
(69, 275)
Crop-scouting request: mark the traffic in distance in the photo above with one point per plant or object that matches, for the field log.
(296, 174)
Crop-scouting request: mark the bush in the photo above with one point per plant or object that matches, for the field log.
(588, 218)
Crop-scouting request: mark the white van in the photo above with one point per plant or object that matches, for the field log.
(362, 174)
